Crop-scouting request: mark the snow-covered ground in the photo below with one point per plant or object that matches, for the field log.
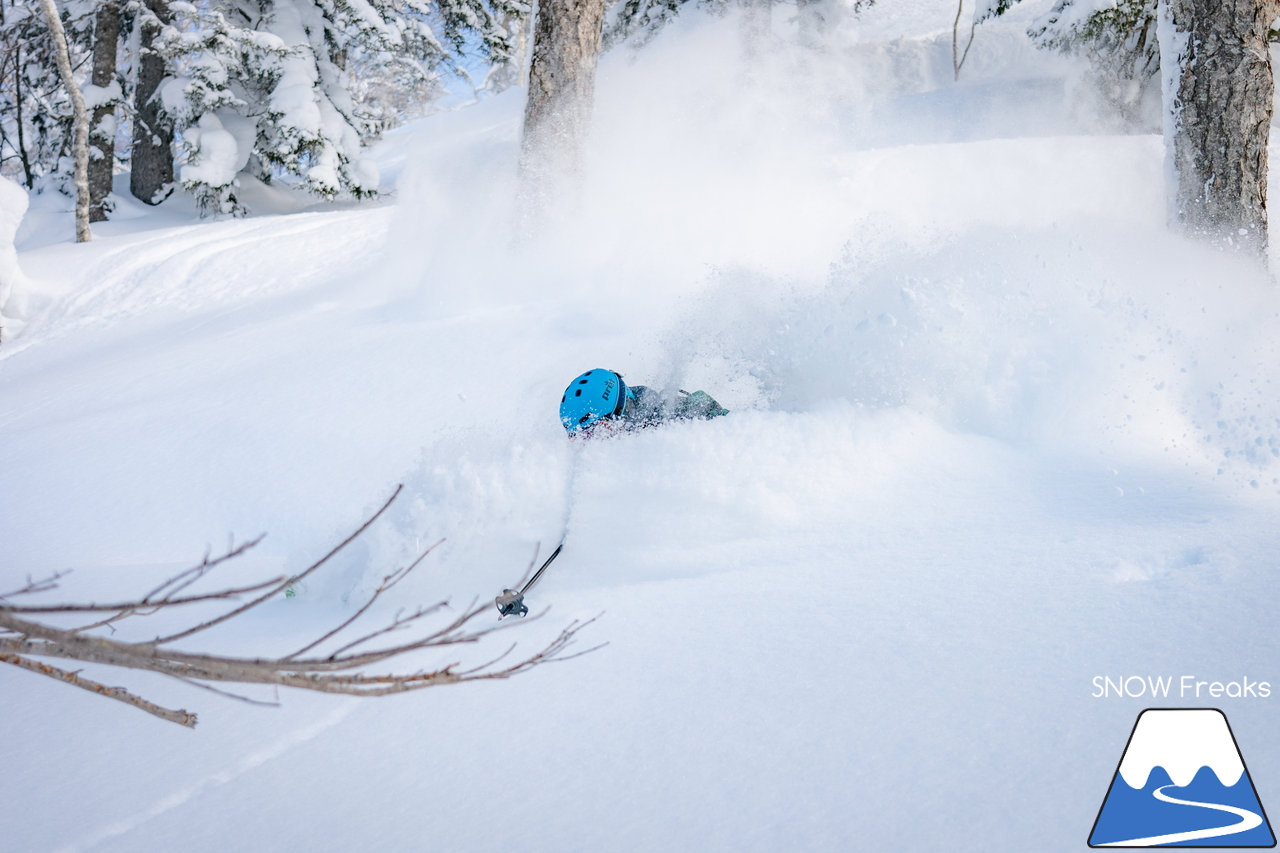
(994, 432)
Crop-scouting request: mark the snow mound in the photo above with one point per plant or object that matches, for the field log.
(13, 204)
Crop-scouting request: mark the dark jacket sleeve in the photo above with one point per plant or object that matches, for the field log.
(699, 404)
(647, 408)
(650, 407)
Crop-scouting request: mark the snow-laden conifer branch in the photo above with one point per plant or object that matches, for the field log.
(337, 671)
(297, 88)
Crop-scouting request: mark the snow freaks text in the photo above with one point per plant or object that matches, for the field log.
(1181, 687)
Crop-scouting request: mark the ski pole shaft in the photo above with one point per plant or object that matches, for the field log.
(538, 573)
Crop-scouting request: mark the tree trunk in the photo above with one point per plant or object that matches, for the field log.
(17, 106)
(152, 158)
(80, 148)
(757, 18)
(557, 115)
(102, 135)
(1216, 70)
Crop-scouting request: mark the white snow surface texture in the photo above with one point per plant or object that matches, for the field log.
(994, 431)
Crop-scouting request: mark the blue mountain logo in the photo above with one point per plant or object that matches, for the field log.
(1182, 783)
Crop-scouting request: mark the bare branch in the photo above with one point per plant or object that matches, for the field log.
(140, 604)
(290, 581)
(387, 582)
(397, 624)
(32, 587)
(266, 672)
(341, 671)
(148, 603)
(225, 693)
(110, 621)
(184, 718)
(196, 572)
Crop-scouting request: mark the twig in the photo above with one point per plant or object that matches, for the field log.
(287, 582)
(140, 604)
(387, 582)
(184, 718)
(33, 587)
(200, 569)
(212, 689)
(396, 624)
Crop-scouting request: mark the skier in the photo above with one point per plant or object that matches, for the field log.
(599, 401)
(600, 397)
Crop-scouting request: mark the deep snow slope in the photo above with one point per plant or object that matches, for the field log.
(995, 432)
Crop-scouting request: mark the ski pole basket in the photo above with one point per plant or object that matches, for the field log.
(511, 602)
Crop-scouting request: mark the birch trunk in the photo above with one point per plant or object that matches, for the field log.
(557, 117)
(1216, 69)
(80, 146)
(102, 135)
(152, 159)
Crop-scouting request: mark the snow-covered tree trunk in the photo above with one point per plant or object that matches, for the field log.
(152, 157)
(562, 78)
(102, 136)
(1217, 85)
(80, 147)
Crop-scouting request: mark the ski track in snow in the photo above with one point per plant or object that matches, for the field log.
(207, 783)
(195, 267)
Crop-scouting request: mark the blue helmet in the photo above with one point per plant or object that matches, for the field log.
(592, 397)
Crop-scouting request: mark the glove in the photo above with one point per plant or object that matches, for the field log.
(699, 404)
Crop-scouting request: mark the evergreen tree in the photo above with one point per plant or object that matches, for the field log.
(272, 85)
(284, 88)
(36, 113)
(644, 19)
(1214, 64)
(1119, 39)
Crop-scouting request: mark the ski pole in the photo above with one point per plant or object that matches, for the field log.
(512, 601)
